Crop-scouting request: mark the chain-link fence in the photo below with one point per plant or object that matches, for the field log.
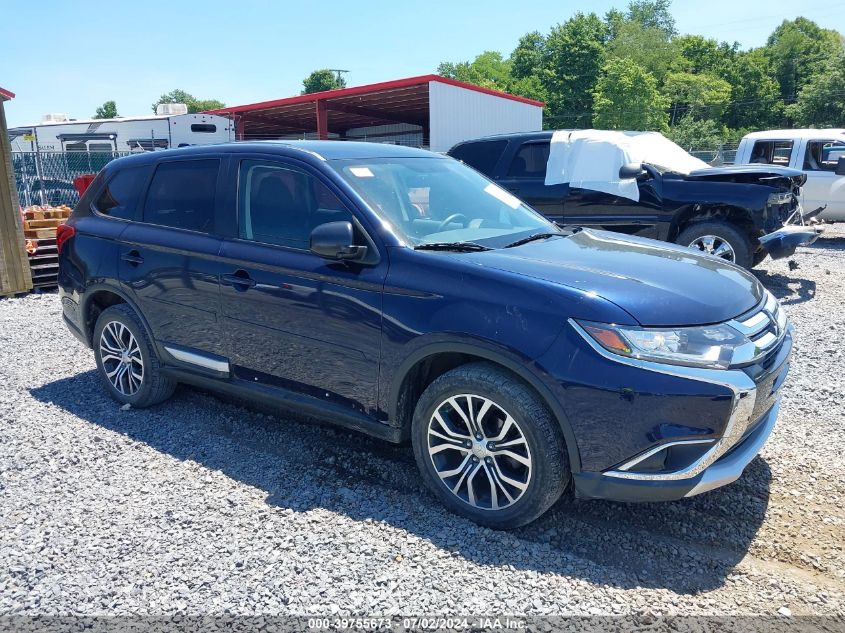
(47, 177)
(724, 154)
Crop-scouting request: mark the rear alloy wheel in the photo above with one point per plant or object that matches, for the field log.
(126, 359)
(488, 447)
(719, 239)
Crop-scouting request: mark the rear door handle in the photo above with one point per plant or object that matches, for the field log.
(240, 280)
(133, 258)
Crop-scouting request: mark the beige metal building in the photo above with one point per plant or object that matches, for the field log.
(15, 274)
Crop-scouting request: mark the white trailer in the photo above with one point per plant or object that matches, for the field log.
(125, 134)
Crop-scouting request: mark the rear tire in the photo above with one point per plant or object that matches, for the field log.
(126, 360)
(503, 444)
(721, 239)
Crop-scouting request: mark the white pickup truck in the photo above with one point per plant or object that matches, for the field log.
(818, 153)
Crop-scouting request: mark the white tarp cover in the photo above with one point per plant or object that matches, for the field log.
(590, 159)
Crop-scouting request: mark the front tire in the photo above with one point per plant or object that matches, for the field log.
(720, 239)
(488, 447)
(126, 360)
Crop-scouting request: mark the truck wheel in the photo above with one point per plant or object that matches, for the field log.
(488, 447)
(126, 360)
(758, 257)
(720, 239)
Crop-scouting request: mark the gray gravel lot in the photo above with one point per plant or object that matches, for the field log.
(201, 506)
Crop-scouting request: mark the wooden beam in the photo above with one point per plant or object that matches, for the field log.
(15, 274)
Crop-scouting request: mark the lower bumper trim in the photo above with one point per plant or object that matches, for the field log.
(725, 470)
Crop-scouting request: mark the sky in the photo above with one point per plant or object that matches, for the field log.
(72, 56)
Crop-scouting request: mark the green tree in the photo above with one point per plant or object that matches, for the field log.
(194, 104)
(691, 133)
(755, 94)
(821, 102)
(798, 49)
(653, 14)
(574, 53)
(698, 54)
(626, 98)
(320, 80)
(489, 69)
(648, 46)
(107, 111)
(703, 95)
(527, 59)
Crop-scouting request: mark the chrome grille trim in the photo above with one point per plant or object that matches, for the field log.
(765, 328)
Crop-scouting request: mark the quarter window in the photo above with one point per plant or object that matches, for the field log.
(203, 127)
(772, 152)
(181, 195)
(530, 161)
(281, 205)
(823, 155)
(482, 156)
(119, 198)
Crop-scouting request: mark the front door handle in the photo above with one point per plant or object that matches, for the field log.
(239, 280)
(133, 258)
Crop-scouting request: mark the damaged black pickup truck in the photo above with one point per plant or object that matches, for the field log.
(640, 183)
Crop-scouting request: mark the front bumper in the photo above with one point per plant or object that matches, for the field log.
(717, 459)
(723, 471)
(783, 242)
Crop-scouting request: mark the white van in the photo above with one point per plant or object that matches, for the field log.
(818, 153)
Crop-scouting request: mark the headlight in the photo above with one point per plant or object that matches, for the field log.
(706, 346)
(777, 199)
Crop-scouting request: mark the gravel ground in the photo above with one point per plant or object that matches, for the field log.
(200, 506)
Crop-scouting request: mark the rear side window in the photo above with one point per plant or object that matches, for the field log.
(203, 127)
(772, 152)
(530, 161)
(181, 195)
(119, 198)
(482, 156)
(823, 155)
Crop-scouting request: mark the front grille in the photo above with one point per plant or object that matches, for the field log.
(765, 327)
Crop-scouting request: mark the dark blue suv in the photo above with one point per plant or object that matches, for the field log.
(400, 293)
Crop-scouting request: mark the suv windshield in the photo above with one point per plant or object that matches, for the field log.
(440, 201)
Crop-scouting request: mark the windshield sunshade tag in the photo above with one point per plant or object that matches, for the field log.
(361, 172)
(502, 195)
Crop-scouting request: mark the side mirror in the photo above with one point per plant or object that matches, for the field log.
(840, 166)
(336, 240)
(632, 170)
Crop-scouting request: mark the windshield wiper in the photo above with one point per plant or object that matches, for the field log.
(461, 247)
(531, 238)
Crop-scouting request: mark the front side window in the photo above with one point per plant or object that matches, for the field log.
(771, 152)
(281, 204)
(430, 200)
(181, 195)
(823, 155)
(530, 161)
(119, 198)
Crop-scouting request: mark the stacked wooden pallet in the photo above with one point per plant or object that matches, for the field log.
(39, 224)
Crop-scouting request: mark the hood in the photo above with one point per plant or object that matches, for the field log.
(658, 284)
(771, 175)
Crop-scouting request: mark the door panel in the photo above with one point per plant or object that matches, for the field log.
(306, 324)
(173, 276)
(291, 318)
(585, 207)
(823, 186)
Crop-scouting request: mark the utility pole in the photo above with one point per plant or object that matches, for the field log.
(338, 71)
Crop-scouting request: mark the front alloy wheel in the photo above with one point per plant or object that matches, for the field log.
(714, 245)
(479, 452)
(488, 446)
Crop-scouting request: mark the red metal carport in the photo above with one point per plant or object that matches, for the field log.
(387, 109)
